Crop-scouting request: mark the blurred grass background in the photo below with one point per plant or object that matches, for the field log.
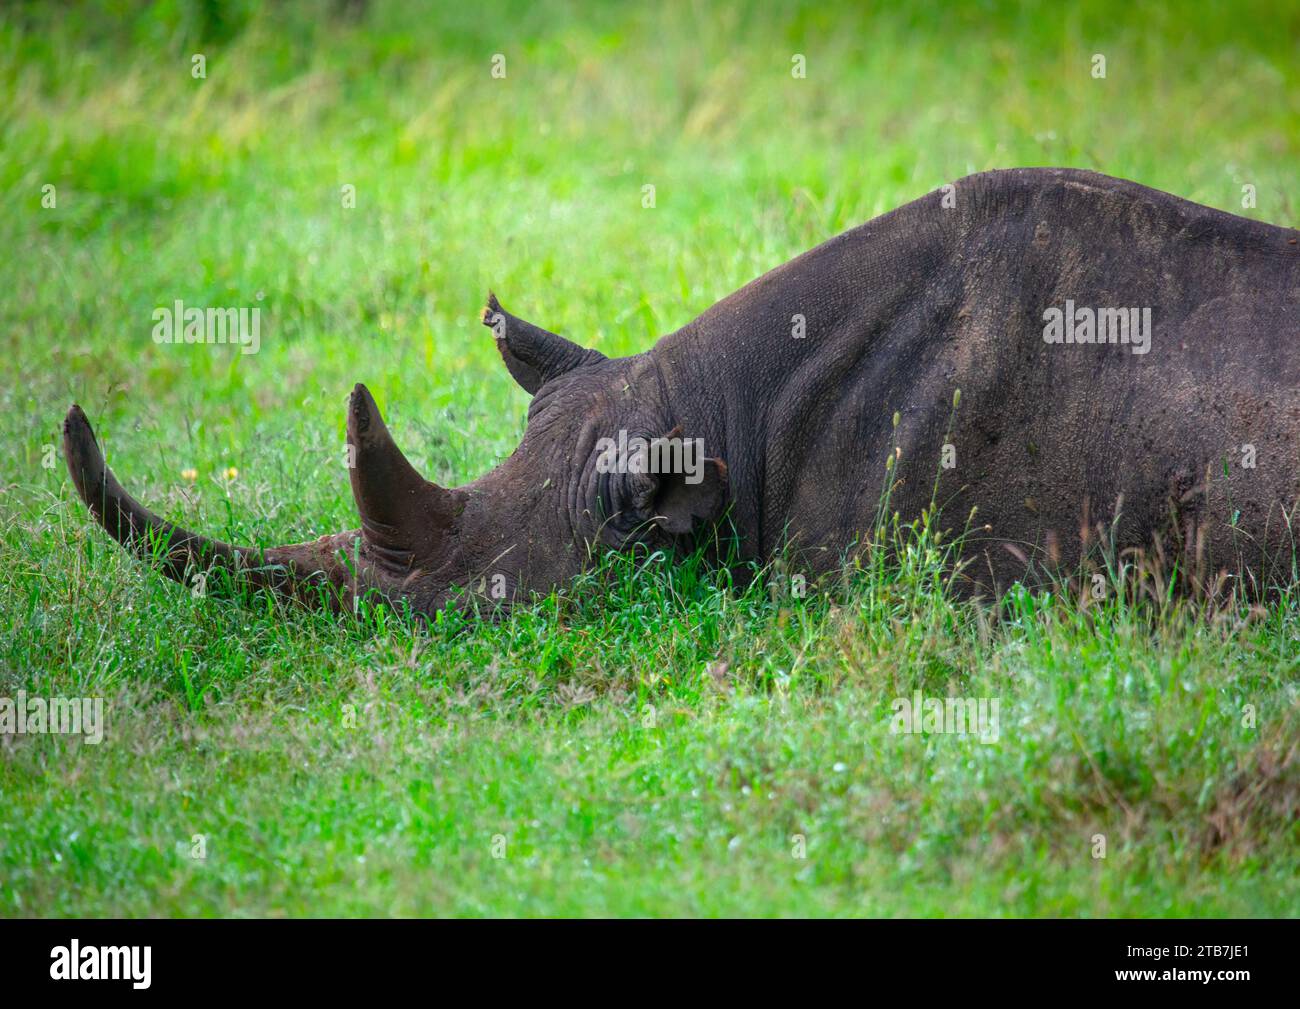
(227, 191)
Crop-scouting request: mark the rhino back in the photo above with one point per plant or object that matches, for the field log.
(951, 292)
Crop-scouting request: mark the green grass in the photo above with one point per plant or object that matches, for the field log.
(653, 740)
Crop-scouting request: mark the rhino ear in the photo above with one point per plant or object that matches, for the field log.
(634, 498)
(681, 508)
(533, 355)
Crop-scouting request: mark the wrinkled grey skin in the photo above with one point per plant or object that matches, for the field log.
(1051, 441)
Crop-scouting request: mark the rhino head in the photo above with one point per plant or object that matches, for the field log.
(571, 489)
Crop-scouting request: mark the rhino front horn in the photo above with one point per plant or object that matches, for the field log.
(314, 573)
(402, 514)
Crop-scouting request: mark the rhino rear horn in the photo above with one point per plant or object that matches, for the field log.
(402, 514)
(533, 355)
